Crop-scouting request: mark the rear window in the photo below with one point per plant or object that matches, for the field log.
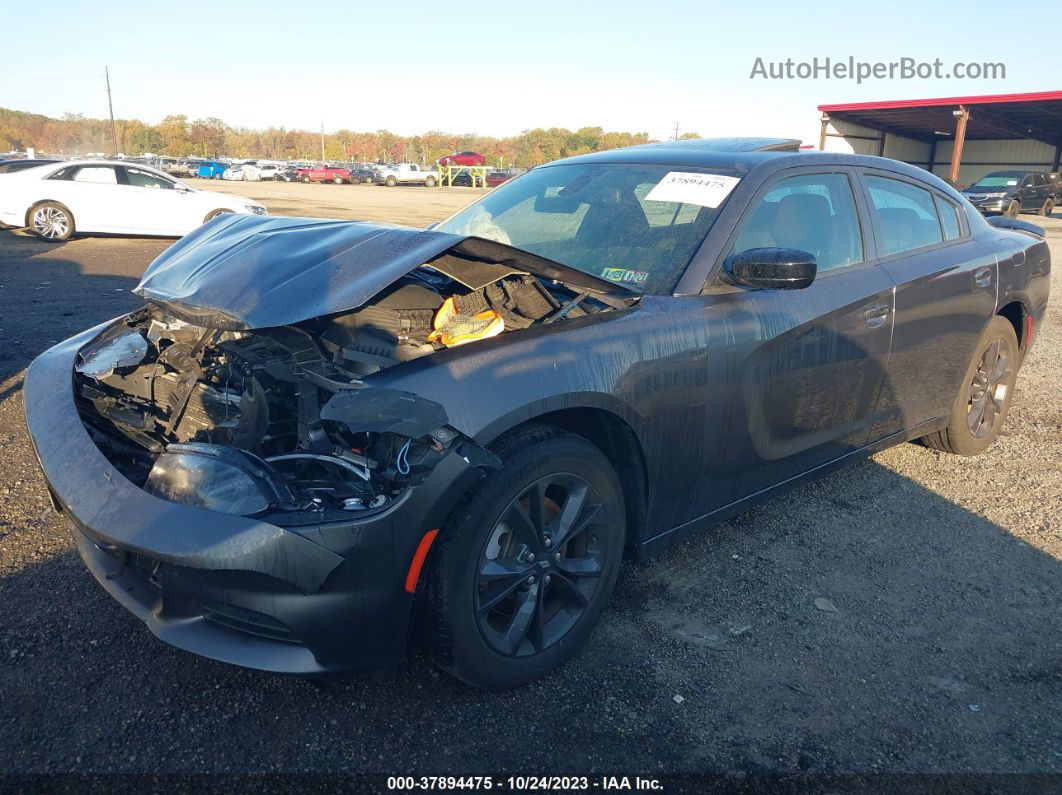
(907, 218)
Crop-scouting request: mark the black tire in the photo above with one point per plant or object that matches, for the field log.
(564, 586)
(1012, 210)
(980, 408)
(369, 180)
(429, 182)
(51, 221)
(337, 180)
(210, 216)
(1048, 208)
(390, 182)
(306, 180)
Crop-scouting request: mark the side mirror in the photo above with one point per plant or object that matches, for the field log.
(772, 268)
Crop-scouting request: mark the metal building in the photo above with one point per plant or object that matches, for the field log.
(959, 139)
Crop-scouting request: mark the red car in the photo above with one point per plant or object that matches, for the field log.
(463, 159)
(323, 173)
(496, 178)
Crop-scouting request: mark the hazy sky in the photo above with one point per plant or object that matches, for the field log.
(500, 67)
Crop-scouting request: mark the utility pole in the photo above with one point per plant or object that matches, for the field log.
(676, 130)
(322, 141)
(110, 107)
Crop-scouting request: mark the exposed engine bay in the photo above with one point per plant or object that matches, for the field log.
(279, 420)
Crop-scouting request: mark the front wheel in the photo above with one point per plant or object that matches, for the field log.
(984, 396)
(215, 213)
(526, 562)
(52, 221)
(390, 182)
(306, 180)
(1012, 210)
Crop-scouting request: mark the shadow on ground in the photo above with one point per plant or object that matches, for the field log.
(937, 649)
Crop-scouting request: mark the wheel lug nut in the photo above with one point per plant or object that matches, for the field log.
(545, 580)
(530, 557)
(531, 580)
(548, 542)
(556, 556)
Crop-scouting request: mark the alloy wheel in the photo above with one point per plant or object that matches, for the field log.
(51, 222)
(989, 389)
(541, 565)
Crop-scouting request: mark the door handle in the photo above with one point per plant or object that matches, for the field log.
(876, 315)
(983, 277)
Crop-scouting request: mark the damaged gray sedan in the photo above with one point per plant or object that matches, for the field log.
(321, 440)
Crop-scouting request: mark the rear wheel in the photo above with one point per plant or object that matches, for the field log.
(429, 182)
(368, 180)
(984, 397)
(1048, 207)
(1012, 210)
(525, 564)
(51, 221)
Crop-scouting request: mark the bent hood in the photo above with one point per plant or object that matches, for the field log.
(242, 272)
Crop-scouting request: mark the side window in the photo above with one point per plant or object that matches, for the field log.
(906, 216)
(145, 179)
(102, 175)
(812, 212)
(949, 218)
(1038, 180)
(65, 174)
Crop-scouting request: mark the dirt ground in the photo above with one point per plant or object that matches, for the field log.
(938, 650)
(409, 205)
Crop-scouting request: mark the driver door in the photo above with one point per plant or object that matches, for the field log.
(157, 206)
(808, 364)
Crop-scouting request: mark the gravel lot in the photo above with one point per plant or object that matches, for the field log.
(940, 648)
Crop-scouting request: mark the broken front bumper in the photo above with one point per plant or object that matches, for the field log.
(296, 600)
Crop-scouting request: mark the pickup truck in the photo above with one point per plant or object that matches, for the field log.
(406, 174)
(323, 173)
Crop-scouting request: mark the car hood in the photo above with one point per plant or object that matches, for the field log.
(242, 272)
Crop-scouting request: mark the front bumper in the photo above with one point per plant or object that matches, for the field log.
(989, 206)
(295, 600)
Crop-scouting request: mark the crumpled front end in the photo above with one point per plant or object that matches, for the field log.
(295, 564)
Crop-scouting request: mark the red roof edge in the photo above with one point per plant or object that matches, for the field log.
(1038, 96)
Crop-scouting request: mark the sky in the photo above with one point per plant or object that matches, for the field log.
(502, 67)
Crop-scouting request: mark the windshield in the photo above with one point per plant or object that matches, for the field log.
(996, 182)
(635, 225)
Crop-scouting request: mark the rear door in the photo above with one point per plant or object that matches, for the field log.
(95, 197)
(945, 293)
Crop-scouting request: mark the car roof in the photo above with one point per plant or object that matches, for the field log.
(746, 155)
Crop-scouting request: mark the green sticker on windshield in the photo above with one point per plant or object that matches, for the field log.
(624, 275)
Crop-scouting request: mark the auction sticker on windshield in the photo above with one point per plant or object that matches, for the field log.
(689, 187)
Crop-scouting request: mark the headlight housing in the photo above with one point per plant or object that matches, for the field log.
(255, 209)
(217, 478)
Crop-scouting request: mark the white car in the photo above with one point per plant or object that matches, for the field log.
(269, 171)
(61, 199)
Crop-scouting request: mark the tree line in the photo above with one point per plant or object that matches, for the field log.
(177, 136)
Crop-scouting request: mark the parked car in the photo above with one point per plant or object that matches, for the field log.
(287, 174)
(324, 173)
(56, 201)
(405, 174)
(235, 172)
(317, 430)
(362, 175)
(11, 166)
(269, 172)
(175, 167)
(496, 178)
(463, 159)
(1011, 192)
(211, 169)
